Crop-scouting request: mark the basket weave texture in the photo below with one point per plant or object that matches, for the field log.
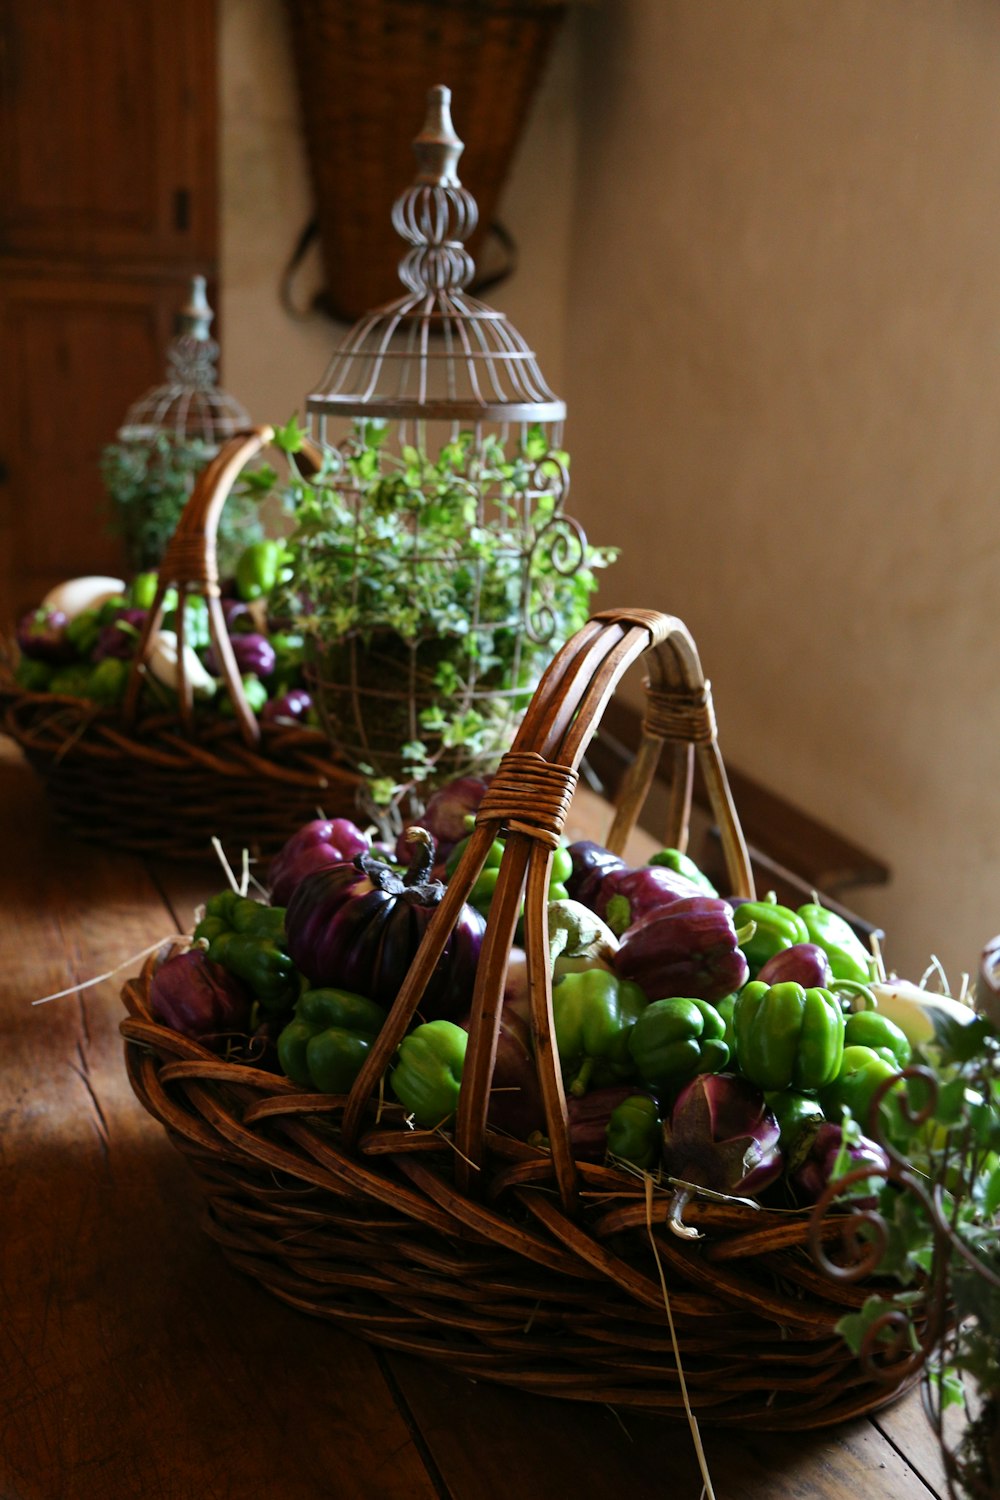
(361, 69)
(499, 1259)
(166, 784)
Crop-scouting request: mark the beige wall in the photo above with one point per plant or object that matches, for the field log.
(769, 286)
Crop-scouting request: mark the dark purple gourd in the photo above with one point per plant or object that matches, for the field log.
(357, 926)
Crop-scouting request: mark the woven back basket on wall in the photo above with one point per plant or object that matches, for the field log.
(362, 68)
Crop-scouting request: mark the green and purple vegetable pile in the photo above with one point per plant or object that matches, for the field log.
(740, 1047)
(83, 637)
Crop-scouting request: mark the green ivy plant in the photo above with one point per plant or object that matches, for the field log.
(445, 581)
(148, 483)
(940, 1242)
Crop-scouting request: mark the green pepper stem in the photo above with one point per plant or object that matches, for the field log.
(745, 933)
(581, 1083)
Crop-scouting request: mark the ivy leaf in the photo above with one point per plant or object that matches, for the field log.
(289, 438)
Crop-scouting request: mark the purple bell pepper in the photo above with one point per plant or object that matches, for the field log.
(688, 948)
(316, 846)
(41, 635)
(625, 896)
(802, 963)
(444, 817)
(292, 707)
(117, 642)
(253, 652)
(198, 998)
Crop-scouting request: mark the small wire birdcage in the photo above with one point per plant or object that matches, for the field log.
(449, 569)
(167, 438)
(190, 406)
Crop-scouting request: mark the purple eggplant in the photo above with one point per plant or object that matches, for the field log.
(198, 998)
(815, 1157)
(623, 897)
(591, 863)
(445, 816)
(515, 1105)
(292, 707)
(688, 948)
(121, 637)
(316, 846)
(803, 963)
(41, 635)
(358, 926)
(253, 653)
(720, 1135)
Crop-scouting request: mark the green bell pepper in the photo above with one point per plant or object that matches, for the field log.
(787, 1036)
(73, 680)
(34, 676)
(197, 629)
(635, 1131)
(289, 652)
(674, 1039)
(326, 1044)
(82, 631)
(682, 864)
(849, 958)
(247, 938)
(258, 568)
(481, 894)
(861, 1073)
(594, 1012)
(776, 928)
(253, 690)
(427, 1078)
(142, 592)
(108, 681)
(867, 1028)
(794, 1113)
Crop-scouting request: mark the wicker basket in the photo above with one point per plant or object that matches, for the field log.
(363, 68)
(498, 1259)
(164, 783)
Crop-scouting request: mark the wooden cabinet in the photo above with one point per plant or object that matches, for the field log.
(109, 164)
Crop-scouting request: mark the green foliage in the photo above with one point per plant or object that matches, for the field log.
(950, 1139)
(452, 576)
(148, 483)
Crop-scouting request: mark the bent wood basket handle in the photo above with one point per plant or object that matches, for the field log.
(190, 565)
(527, 802)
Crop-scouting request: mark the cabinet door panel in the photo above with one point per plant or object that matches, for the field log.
(76, 353)
(107, 128)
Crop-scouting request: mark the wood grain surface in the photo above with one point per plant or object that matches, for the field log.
(136, 1362)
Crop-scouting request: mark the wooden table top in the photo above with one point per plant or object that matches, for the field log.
(137, 1362)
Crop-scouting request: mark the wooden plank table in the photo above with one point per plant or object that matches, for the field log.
(137, 1362)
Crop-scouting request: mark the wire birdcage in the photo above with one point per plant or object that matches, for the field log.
(190, 406)
(445, 406)
(166, 439)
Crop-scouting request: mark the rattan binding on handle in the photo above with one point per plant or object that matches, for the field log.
(528, 802)
(190, 565)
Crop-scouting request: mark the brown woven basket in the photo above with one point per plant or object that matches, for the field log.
(504, 1261)
(167, 783)
(363, 68)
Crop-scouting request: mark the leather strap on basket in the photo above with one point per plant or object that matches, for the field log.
(190, 565)
(527, 803)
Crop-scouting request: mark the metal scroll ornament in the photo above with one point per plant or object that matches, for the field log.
(449, 570)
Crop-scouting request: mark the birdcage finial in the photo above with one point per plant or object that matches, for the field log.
(437, 147)
(195, 317)
(190, 405)
(437, 354)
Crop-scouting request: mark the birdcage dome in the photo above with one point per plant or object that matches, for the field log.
(190, 407)
(437, 354)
